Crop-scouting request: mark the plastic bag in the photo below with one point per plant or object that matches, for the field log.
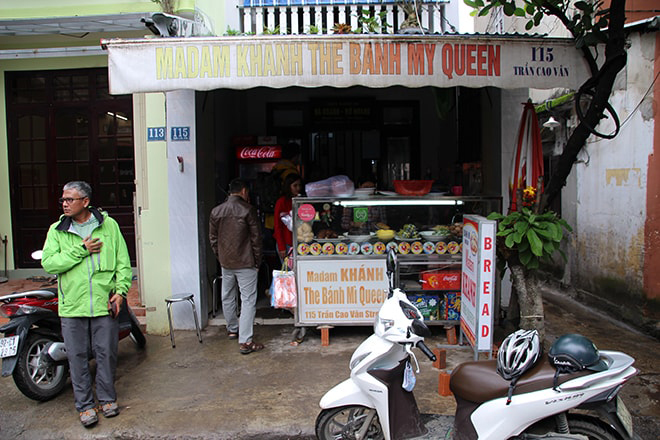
(409, 378)
(283, 293)
(287, 220)
(338, 186)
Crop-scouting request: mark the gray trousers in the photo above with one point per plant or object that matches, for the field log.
(101, 334)
(245, 281)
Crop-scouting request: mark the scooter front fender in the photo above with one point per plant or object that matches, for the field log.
(345, 393)
(9, 363)
(21, 326)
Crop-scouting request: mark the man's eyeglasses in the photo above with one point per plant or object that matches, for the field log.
(68, 200)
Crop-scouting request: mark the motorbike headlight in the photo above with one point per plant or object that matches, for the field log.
(357, 360)
(386, 323)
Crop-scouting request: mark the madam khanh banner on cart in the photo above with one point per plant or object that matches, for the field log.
(162, 64)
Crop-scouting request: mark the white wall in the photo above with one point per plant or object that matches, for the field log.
(611, 194)
(183, 215)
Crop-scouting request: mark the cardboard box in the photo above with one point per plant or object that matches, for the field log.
(452, 308)
(441, 280)
(429, 306)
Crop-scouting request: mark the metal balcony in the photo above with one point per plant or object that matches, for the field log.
(292, 17)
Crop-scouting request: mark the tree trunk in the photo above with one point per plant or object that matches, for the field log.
(529, 299)
(603, 81)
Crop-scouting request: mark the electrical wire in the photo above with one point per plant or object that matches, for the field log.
(636, 107)
(640, 101)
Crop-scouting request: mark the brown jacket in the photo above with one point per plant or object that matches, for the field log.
(235, 234)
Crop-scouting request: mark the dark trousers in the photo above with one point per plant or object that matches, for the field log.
(101, 334)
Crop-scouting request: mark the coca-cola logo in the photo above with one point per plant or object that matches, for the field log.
(265, 152)
(453, 277)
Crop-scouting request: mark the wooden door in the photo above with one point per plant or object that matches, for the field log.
(64, 126)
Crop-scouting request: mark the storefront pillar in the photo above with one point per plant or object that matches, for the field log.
(182, 199)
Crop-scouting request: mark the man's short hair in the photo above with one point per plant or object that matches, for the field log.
(83, 188)
(237, 185)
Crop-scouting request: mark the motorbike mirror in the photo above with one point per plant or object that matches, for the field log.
(391, 261)
(36, 255)
(391, 268)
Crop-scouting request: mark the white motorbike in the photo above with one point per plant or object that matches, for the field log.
(377, 402)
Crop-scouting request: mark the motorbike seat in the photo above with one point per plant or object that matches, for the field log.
(479, 382)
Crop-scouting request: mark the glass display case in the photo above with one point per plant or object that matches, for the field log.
(340, 246)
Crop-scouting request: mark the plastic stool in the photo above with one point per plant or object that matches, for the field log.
(186, 297)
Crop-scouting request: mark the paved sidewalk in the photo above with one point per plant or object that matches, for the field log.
(211, 391)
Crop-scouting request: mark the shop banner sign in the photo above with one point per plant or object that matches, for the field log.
(203, 63)
(340, 292)
(478, 281)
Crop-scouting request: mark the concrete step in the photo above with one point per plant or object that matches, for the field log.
(139, 310)
(142, 319)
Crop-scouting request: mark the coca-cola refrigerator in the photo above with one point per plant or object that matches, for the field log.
(255, 159)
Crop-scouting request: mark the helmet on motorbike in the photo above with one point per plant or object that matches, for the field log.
(518, 353)
(574, 352)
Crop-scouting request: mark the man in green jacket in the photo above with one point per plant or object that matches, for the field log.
(86, 250)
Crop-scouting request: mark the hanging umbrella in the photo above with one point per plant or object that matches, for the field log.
(527, 164)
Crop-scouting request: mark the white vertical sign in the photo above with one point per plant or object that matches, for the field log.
(478, 281)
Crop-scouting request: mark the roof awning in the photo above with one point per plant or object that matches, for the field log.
(73, 25)
(207, 63)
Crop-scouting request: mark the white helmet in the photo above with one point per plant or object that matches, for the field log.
(518, 353)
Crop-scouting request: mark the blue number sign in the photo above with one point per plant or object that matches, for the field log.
(180, 133)
(155, 134)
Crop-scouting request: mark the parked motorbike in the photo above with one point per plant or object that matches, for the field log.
(33, 351)
(377, 402)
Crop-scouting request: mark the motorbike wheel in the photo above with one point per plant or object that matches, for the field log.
(35, 378)
(136, 334)
(592, 429)
(344, 422)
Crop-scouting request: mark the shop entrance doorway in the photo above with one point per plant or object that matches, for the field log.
(64, 126)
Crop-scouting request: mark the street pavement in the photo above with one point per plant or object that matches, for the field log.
(211, 391)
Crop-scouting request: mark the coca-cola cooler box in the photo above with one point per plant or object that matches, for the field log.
(255, 159)
(441, 280)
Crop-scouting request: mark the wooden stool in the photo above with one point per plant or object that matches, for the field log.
(186, 297)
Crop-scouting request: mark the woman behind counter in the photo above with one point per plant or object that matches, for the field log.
(291, 188)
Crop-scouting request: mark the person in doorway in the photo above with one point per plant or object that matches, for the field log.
(291, 187)
(235, 236)
(87, 252)
(290, 161)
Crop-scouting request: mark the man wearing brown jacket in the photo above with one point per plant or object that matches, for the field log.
(235, 236)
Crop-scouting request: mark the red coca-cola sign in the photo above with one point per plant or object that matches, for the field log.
(259, 152)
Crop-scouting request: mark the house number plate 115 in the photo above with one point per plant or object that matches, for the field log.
(180, 133)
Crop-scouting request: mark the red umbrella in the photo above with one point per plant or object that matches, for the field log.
(527, 164)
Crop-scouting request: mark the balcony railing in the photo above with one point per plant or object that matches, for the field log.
(290, 17)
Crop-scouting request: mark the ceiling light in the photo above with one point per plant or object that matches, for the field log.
(551, 123)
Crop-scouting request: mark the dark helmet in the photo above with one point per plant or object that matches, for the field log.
(574, 352)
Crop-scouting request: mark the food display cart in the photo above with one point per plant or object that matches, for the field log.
(340, 246)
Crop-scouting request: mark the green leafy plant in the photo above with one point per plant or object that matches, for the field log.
(534, 237)
(314, 29)
(274, 31)
(373, 24)
(586, 20)
(232, 32)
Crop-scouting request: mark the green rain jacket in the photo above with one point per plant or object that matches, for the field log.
(86, 281)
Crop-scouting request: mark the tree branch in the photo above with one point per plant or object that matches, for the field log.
(602, 84)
